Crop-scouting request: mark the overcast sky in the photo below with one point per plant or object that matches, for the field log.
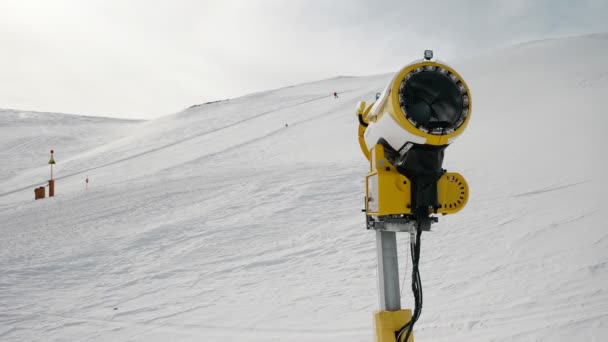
(144, 59)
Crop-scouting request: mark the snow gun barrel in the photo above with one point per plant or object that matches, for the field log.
(404, 133)
(427, 102)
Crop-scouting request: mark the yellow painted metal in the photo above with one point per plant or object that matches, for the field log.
(386, 323)
(453, 193)
(391, 105)
(388, 192)
(361, 107)
(363, 110)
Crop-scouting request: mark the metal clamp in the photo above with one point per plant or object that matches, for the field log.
(400, 224)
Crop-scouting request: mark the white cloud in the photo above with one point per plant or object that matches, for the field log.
(149, 58)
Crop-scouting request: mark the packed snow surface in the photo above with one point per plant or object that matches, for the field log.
(220, 223)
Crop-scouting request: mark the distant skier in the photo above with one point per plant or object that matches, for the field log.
(335, 95)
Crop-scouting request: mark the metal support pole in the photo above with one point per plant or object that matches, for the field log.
(388, 271)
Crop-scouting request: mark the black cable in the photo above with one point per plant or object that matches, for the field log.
(361, 122)
(416, 289)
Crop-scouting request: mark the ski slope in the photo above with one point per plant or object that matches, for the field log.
(219, 223)
(23, 134)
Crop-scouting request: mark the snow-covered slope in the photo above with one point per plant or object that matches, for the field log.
(26, 137)
(220, 223)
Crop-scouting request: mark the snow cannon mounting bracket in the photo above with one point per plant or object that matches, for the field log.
(400, 224)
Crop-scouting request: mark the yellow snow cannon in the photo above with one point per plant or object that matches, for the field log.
(404, 134)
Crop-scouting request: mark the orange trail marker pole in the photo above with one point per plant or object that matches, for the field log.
(51, 181)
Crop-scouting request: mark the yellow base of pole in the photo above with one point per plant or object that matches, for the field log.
(386, 323)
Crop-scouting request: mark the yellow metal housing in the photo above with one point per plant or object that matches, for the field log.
(388, 192)
(386, 323)
(453, 193)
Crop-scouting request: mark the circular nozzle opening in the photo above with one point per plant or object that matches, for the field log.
(434, 100)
